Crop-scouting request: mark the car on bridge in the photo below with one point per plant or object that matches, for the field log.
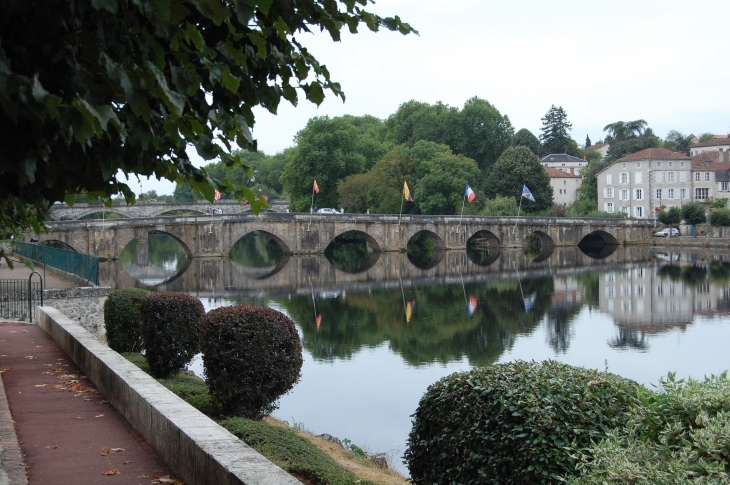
(327, 210)
(667, 232)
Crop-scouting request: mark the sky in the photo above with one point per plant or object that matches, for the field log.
(663, 61)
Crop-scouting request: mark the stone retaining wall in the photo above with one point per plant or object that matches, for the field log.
(85, 306)
(199, 450)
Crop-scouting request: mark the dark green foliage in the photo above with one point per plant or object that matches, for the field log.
(554, 132)
(516, 167)
(513, 423)
(694, 213)
(183, 193)
(525, 138)
(720, 217)
(122, 320)
(670, 217)
(170, 330)
(677, 142)
(293, 453)
(588, 141)
(627, 138)
(252, 355)
(706, 137)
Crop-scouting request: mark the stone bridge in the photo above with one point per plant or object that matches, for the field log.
(214, 236)
(63, 212)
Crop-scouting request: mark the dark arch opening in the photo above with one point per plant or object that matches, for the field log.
(55, 243)
(483, 239)
(162, 259)
(598, 245)
(482, 257)
(353, 252)
(258, 255)
(425, 249)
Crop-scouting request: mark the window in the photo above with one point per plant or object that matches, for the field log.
(658, 164)
(608, 193)
(639, 194)
(723, 186)
(659, 177)
(682, 194)
(638, 164)
(701, 194)
(623, 165)
(671, 163)
(639, 212)
(681, 164)
(671, 177)
(608, 206)
(670, 193)
(625, 210)
(682, 177)
(609, 179)
(638, 177)
(707, 176)
(697, 176)
(624, 177)
(658, 194)
(565, 182)
(624, 195)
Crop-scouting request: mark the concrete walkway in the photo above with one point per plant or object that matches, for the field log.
(68, 433)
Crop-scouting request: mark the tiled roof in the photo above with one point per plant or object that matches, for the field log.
(654, 153)
(555, 173)
(711, 159)
(561, 158)
(712, 143)
(597, 146)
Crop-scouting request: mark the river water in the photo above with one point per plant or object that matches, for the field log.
(378, 329)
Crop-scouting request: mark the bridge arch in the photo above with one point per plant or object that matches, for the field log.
(57, 243)
(286, 248)
(599, 237)
(166, 212)
(545, 239)
(438, 243)
(372, 243)
(484, 237)
(98, 210)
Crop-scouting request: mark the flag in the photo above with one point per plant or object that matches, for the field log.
(316, 189)
(472, 303)
(470, 195)
(407, 192)
(409, 310)
(527, 194)
(318, 320)
(217, 195)
(529, 301)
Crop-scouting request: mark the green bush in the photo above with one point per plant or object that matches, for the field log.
(122, 320)
(678, 435)
(513, 423)
(720, 217)
(693, 213)
(252, 355)
(170, 330)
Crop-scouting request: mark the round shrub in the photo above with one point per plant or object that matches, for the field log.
(170, 330)
(252, 355)
(512, 423)
(720, 217)
(123, 321)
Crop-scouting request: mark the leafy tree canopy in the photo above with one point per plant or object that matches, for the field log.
(516, 167)
(670, 217)
(183, 193)
(525, 138)
(93, 87)
(706, 137)
(629, 137)
(677, 142)
(554, 132)
(694, 213)
(386, 182)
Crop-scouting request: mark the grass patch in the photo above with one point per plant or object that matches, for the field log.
(282, 445)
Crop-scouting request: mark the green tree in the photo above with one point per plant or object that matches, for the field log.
(386, 185)
(706, 137)
(670, 217)
(720, 217)
(554, 132)
(352, 192)
(516, 167)
(525, 138)
(694, 213)
(90, 88)
(330, 149)
(588, 141)
(183, 193)
(677, 142)
(629, 137)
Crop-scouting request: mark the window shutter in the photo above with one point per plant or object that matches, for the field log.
(609, 179)
(682, 176)
(639, 177)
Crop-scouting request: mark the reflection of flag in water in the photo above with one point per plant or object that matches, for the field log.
(472, 305)
(529, 301)
(319, 321)
(409, 310)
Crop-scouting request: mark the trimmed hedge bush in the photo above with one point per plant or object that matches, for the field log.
(122, 320)
(720, 217)
(252, 355)
(513, 423)
(170, 330)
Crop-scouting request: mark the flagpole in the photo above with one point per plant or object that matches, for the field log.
(518, 215)
(463, 201)
(403, 295)
(401, 210)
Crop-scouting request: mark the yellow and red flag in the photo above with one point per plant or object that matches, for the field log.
(316, 188)
(407, 192)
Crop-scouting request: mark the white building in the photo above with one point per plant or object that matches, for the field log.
(642, 183)
(565, 185)
(564, 162)
(710, 176)
(601, 148)
(718, 145)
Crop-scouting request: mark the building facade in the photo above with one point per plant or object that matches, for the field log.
(717, 145)
(564, 163)
(565, 185)
(601, 148)
(710, 176)
(645, 182)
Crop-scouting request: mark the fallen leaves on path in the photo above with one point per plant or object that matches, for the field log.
(40, 385)
(166, 480)
(111, 472)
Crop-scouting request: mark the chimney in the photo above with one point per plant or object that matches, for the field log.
(584, 157)
(571, 171)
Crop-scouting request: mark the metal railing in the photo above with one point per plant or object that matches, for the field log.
(82, 265)
(18, 298)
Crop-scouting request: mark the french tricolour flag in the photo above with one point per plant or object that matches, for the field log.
(470, 195)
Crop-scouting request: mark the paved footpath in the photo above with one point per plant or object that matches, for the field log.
(69, 434)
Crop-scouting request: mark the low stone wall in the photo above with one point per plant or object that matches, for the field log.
(199, 450)
(85, 306)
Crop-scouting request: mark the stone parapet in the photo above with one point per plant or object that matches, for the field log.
(199, 450)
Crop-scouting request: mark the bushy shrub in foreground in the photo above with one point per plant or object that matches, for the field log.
(513, 423)
(123, 321)
(678, 435)
(170, 330)
(252, 355)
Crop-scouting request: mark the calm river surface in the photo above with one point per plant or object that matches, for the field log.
(377, 330)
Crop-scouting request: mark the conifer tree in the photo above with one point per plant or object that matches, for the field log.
(554, 132)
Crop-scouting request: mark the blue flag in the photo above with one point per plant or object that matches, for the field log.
(526, 193)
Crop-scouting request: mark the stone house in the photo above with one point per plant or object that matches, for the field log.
(601, 148)
(710, 175)
(565, 185)
(717, 145)
(643, 183)
(564, 162)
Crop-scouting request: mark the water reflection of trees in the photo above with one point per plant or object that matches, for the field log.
(629, 338)
(440, 330)
(256, 249)
(349, 253)
(163, 250)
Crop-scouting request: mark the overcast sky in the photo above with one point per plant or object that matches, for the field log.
(663, 61)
